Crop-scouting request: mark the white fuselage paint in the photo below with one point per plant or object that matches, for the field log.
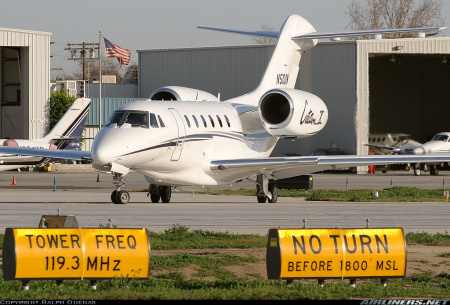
(179, 154)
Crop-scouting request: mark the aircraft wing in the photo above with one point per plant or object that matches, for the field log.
(285, 167)
(77, 155)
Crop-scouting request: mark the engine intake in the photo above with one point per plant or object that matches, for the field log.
(176, 93)
(292, 113)
(275, 108)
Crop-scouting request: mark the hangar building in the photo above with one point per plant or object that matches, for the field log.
(25, 83)
(369, 86)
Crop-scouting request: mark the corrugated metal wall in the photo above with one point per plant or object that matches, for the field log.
(35, 77)
(230, 71)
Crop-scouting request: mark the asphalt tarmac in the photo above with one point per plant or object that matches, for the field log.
(26, 196)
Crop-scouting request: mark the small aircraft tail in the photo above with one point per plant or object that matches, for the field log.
(295, 37)
(66, 134)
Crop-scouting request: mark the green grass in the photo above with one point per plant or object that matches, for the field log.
(393, 194)
(210, 278)
(180, 237)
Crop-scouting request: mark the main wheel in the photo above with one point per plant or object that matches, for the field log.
(273, 189)
(155, 193)
(261, 199)
(434, 171)
(114, 197)
(166, 193)
(416, 171)
(123, 197)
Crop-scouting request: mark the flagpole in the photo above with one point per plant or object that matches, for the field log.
(100, 80)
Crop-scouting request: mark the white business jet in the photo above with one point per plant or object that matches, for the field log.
(186, 137)
(439, 144)
(66, 134)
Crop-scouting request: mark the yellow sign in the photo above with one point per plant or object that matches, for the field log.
(76, 253)
(336, 253)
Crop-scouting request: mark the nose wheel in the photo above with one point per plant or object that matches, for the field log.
(119, 196)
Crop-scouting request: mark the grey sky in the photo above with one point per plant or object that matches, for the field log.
(135, 24)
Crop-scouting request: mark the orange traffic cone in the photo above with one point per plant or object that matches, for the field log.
(14, 181)
(98, 178)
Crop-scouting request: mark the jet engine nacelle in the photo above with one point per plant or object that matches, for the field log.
(27, 143)
(291, 113)
(176, 93)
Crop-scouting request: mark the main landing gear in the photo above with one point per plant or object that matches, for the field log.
(266, 190)
(157, 192)
(119, 196)
(434, 170)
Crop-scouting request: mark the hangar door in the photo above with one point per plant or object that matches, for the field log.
(11, 79)
(408, 93)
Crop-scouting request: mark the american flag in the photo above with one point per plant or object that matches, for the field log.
(112, 50)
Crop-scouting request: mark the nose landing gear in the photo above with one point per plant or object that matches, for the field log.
(119, 196)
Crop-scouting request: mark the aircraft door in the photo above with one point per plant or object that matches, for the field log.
(181, 135)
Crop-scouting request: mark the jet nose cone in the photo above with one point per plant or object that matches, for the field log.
(102, 154)
(420, 150)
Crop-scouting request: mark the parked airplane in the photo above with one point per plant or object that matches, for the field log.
(66, 134)
(438, 144)
(186, 137)
(390, 143)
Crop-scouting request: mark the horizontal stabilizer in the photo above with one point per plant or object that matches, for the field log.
(50, 153)
(71, 138)
(320, 35)
(269, 34)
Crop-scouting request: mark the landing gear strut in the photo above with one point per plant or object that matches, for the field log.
(266, 190)
(119, 196)
(157, 192)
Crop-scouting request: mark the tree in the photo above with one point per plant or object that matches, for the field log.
(395, 14)
(60, 101)
(109, 67)
(131, 75)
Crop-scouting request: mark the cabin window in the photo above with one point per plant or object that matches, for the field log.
(195, 120)
(161, 123)
(440, 137)
(220, 121)
(204, 121)
(228, 121)
(138, 119)
(115, 118)
(212, 121)
(153, 121)
(187, 121)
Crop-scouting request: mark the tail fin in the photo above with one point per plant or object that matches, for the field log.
(283, 67)
(296, 36)
(70, 127)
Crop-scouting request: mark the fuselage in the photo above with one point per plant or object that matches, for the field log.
(440, 143)
(172, 142)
